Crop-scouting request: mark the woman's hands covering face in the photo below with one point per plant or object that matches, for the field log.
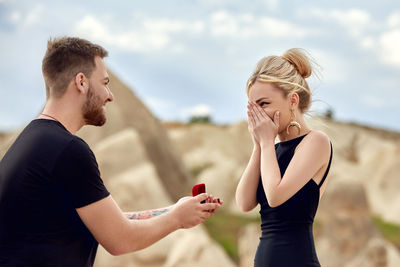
(262, 128)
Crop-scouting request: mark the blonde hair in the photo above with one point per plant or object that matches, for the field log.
(289, 72)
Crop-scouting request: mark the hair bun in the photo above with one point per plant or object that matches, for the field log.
(299, 59)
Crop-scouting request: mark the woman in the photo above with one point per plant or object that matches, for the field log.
(287, 179)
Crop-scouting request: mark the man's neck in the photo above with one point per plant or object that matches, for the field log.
(69, 117)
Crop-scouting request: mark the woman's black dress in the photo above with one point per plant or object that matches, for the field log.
(287, 237)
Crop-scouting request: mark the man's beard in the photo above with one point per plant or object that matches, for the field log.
(93, 109)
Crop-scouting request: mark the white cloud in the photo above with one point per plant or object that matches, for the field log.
(355, 21)
(173, 26)
(279, 28)
(34, 15)
(386, 42)
(223, 24)
(389, 47)
(132, 40)
(147, 35)
(89, 25)
(368, 42)
(15, 17)
(197, 111)
(334, 69)
(394, 19)
(382, 39)
(29, 19)
(245, 25)
(213, 3)
(272, 5)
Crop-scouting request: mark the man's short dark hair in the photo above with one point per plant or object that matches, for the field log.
(65, 57)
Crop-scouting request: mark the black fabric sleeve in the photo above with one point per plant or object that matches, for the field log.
(77, 173)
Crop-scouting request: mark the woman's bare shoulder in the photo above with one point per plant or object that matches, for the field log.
(316, 140)
(318, 136)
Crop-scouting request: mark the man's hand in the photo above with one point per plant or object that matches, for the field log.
(211, 199)
(189, 212)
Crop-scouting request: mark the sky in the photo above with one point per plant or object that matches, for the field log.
(193, 57)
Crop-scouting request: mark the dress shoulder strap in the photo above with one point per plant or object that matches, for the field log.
(327, 169)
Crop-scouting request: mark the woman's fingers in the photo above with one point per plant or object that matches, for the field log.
(261, 126)
(255, 114)
(250, 119)
(260, 112)
(263, 113)
(276, 118)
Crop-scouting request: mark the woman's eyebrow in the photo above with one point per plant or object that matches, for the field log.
(262, 98)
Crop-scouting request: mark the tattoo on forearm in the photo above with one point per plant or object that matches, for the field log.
(145, 214)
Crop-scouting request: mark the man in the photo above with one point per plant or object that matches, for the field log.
(54, 207)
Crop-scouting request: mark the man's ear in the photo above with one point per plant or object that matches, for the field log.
(81, 83)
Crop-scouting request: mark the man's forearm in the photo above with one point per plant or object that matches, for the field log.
(142, 215)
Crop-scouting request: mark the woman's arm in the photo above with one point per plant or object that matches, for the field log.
(311, 155)
(246, 191)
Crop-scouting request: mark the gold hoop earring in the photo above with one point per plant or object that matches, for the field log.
(293, 122)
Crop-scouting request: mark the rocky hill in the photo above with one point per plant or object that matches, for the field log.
(362, 187)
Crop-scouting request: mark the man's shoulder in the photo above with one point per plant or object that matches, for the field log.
(52, 137)
(42, 137)
(54, 133)
(49, 129)
(77, 147)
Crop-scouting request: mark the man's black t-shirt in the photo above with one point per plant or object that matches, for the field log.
(45, 175)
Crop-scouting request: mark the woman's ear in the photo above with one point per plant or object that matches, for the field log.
(81, 83)
(294, 100)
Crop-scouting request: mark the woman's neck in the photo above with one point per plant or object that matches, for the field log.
(293, 130)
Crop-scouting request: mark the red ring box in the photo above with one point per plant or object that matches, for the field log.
(199, 189)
